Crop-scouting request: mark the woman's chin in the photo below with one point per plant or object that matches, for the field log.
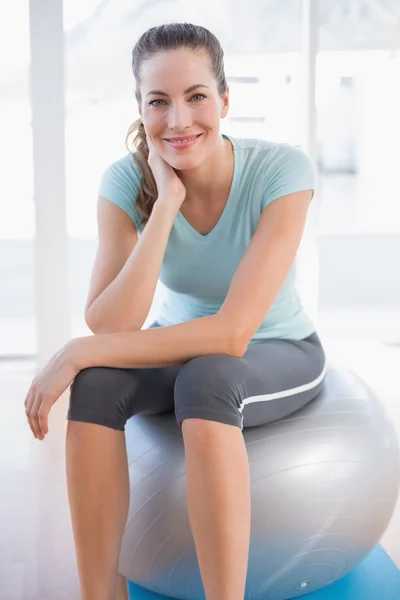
(185, 163)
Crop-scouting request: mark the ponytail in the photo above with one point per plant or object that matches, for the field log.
(148, 189)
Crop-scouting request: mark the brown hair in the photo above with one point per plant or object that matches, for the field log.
(171, 36)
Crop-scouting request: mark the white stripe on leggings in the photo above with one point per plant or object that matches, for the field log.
(291, 392)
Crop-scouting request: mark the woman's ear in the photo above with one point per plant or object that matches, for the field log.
(225, 103)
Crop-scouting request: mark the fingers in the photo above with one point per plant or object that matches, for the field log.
(37, 413)
(150, 145)
(29, 400)
(43, 414)
(35, 418)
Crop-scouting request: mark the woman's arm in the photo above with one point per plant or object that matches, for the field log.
(158, 347)
(124, 304)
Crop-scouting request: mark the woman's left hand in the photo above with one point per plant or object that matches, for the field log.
(48, 386)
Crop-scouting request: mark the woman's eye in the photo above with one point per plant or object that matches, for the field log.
(154, 102)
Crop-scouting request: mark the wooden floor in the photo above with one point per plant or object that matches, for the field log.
(37, 559)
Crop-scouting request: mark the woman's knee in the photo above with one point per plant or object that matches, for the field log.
(204, 388)
(97, 395)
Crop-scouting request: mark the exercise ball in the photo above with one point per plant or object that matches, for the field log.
(324, 485)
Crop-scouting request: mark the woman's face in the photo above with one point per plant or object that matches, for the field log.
(180, 99)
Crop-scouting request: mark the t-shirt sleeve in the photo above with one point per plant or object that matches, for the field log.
(120, 183)
(289, 169)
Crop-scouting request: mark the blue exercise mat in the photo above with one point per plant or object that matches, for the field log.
(376, 578)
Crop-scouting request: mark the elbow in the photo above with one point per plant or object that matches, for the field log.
(88, 319)
(95, 325)
(239, 345)
(237, 341)
(98, 326)
(91, 323)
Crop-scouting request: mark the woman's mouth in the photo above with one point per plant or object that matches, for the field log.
(181, 143)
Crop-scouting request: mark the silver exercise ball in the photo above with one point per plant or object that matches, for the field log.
(324, 484)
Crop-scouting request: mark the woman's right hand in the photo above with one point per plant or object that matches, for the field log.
(169, 186)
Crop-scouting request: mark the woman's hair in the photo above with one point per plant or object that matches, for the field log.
(171, 36)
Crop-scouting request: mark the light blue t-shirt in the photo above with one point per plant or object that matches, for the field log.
(197, 269)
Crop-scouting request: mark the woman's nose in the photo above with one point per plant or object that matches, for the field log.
(179, 117)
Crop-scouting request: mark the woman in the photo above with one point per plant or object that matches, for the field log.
(219, 220)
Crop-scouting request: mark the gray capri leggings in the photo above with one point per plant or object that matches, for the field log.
(274, 378)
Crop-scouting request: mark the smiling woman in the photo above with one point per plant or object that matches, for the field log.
(219, 221)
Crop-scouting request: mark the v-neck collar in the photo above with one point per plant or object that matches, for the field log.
(211, 234)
